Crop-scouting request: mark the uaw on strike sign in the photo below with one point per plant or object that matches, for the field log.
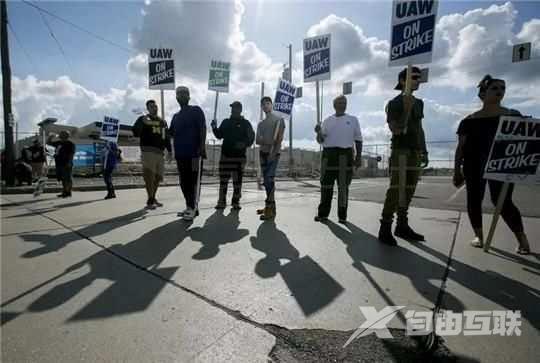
(110, 128)
(317, 58)
(161, 69)
(219, 76)
(515, 153)
(413, 30)
(284, 100)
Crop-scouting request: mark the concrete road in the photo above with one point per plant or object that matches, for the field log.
(88, 279)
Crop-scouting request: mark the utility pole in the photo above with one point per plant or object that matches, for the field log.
(6, 89)
(291, 161)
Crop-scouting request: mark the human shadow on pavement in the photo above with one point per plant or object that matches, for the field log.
(52, 243)
(365, 249)
(311, 286)
(494, 286)
(25, 202)
(53, 208)
(218, 229)
(516, 258)
(131, 291)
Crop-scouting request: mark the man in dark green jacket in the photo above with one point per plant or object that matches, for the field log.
(237, 135)
(404, 116)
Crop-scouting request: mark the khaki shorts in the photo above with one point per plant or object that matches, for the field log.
(153, 162)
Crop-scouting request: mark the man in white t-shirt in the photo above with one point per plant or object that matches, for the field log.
(340, 136)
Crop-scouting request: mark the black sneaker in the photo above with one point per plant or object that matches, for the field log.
(320, 219)
(157, 204)
(150, 204)
(220, 205)
(385, 235)
(407, 233)
(236, 206)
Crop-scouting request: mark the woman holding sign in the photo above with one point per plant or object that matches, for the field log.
(476, 134)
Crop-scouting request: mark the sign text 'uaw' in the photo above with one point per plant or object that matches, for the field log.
(413, 31)
(284, 100)
(515, 153)
(110, 129)
(317, 58)
(161, 69)
(219, 76)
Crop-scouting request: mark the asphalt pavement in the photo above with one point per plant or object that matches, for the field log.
(95, 280)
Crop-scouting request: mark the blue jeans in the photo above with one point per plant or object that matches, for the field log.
(268, 167)
(107, 177)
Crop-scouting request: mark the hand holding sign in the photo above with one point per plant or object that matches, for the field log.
(458, 179)
(424, 160)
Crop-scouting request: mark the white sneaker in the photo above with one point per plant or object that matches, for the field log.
(181, 213)
(40, 186)
(189, 215)
(477, 242)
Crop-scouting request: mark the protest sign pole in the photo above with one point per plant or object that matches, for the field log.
(291, 160)
(162, 103)
(215, 106)
(496, 215)
(322, 97)
(256, 157)
(317, 96)
(402, 160)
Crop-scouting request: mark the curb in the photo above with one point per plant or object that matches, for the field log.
(93, 188)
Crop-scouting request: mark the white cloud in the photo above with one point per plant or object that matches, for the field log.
(468, 46)
(34, 100)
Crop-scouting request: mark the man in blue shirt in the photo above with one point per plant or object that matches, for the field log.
(188, 129)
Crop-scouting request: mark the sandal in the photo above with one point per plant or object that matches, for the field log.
(477, 242)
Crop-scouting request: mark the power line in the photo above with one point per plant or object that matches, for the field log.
(18, 41)
(40, 9)
(69, 64)
(55, 39)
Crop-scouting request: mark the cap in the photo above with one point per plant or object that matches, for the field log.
(236, 104)
(403, 75)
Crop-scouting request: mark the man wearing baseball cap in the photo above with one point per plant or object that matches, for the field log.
(404, 116)
(237, 135)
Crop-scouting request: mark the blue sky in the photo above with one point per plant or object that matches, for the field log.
(264, 23)
(473, 39)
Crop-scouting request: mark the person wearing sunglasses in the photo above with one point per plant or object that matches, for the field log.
(476, 134)
(404, 117)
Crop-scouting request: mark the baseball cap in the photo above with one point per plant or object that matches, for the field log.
(236, 104)
(403, 75)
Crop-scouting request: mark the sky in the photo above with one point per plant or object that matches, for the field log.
(78, 78)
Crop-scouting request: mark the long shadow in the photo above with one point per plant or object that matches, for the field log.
(52, 243)
(494, 286)
(515, 258)
(217, 230)
(365, 249)
(33, 212)
(129, 292)
(24, 202)
(312, 287)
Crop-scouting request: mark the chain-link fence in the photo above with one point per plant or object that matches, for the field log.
(441, 156)
(306, 162)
